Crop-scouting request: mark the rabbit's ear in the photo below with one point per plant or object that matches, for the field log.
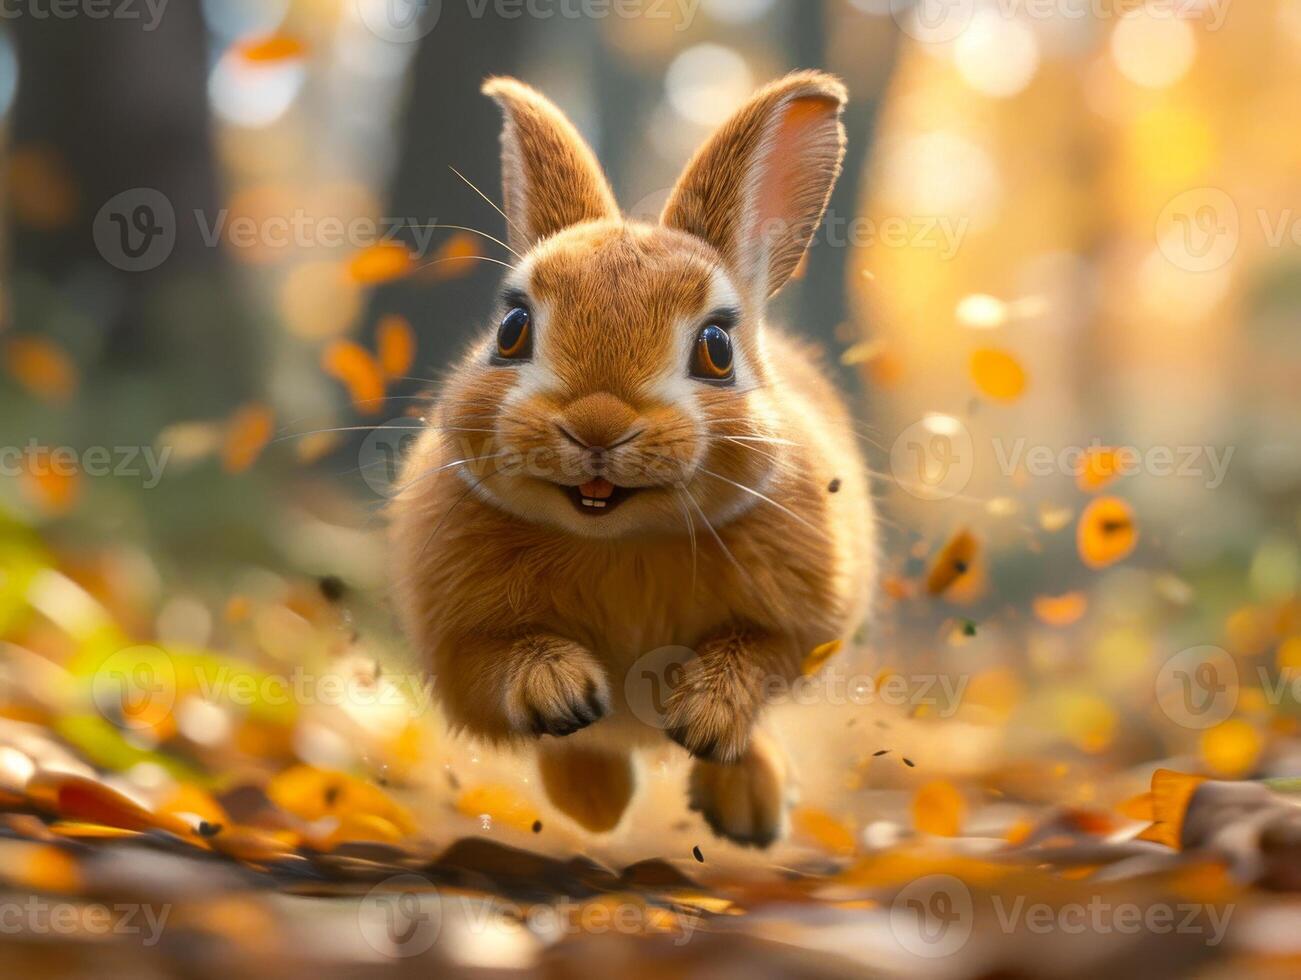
(758, 189)
(550, 177)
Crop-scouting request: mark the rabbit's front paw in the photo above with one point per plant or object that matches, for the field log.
(710, 713)
(556, 688)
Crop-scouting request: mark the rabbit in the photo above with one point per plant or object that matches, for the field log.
(630, 458)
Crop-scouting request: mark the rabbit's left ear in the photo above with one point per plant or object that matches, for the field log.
(550, 177)
(758, 189)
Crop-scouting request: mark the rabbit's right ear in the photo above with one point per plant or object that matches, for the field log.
(757, 190)
(550, 177)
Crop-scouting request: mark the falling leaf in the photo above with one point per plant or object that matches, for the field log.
(827, 831)
(316, 446)
(500, 804)
(998, 374)
(247, 434)
(954, 562)
(352, 364)
(819, 655)
(455, 258)
(51, 479)
(1062, 610)
(272, 49)
(1231, 748)
(938, 808)
(42, 193)
(396, 344)
(1101, 465)
(1106, 532)
(381, 262)
(42, 367)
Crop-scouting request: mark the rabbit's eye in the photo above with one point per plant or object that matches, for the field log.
(712, 356)
(515, 335)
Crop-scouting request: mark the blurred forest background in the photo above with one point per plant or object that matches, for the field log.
(1061, 226)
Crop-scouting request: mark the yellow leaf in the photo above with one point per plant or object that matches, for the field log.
(272, 49)
(819, 655)
(360, 373)
(381, 262)
(998, 374)
(247, 434)
(938, 808)
(42, 367)
(1231, 748)
(1106, 532)
(1062, 610)
(500, 804)
(829, 832)
(396, 344)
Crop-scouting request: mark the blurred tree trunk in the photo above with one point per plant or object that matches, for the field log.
(119, 107)
(448, 123)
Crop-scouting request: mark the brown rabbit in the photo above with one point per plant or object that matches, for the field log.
(631, 460)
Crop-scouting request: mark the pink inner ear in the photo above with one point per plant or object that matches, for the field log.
(786, 180)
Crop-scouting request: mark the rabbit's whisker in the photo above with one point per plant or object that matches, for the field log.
(764, 497)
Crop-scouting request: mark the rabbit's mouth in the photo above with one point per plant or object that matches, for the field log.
(598, 497)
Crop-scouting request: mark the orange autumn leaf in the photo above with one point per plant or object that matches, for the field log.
(998, 374)
(1062, 610)
(500, 804)
(51, 479)
(247, 434)
(953, 562)
(353, 365)
(42, 193)
(818, 656)
(1101, 465)
(381, 262)
(41, 366)
(1139, 807)
(1106, 532)
(455, 257)
(938, 808)
(272, 49)
(1171, 793)
(313, 794)
(83, 800)
(396, 343)
(827, 831)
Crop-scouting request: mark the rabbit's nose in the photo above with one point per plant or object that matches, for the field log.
(598, 421)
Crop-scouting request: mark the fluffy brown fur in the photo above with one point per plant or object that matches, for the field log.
(531, 613)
